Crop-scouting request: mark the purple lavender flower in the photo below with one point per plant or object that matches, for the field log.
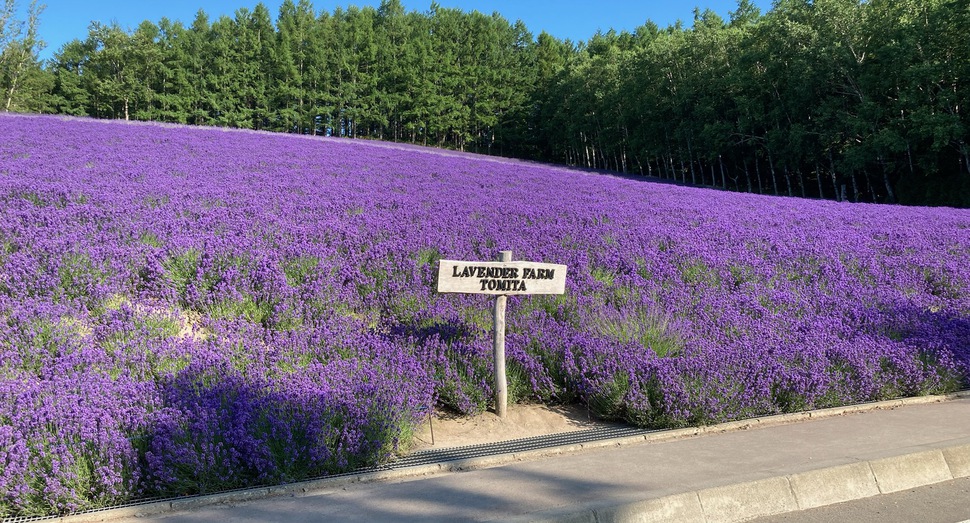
(184, 310)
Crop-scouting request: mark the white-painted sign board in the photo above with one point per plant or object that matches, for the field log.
(501, 278)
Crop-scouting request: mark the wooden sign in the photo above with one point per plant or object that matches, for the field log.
(501, 278)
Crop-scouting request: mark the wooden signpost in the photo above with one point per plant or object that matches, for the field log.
(501, 278)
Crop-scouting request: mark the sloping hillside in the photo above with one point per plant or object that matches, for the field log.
(186, 310)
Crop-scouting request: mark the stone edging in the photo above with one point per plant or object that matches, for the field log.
(960, 456)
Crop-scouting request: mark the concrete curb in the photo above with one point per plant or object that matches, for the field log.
(779, 494)
(958, 458)
(710, 503)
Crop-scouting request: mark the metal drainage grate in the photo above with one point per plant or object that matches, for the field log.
(422, 457)
(430, 456)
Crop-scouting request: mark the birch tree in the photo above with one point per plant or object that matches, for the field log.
(20, 68)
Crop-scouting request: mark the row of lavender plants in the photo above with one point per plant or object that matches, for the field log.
(190, 310)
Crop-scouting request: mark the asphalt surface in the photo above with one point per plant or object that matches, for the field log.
(947, 502)
(732, 472)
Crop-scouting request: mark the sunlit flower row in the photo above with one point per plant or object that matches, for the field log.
(187, 310)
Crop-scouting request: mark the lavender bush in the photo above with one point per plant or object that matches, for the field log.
(186, 310)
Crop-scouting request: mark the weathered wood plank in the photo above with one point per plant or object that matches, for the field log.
(501, 278)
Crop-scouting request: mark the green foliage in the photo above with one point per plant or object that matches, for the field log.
(460, 383)
(46, 341)
(562, 307)
(608, 400)
(943, 381)
(644, 409)
(941, 284)
(697, 272)
(427, 257)
(604, 276)
(79, 276)
(154, 202)
(802, 100)
(133, 348)
(24, 85)
(181, 269)
(518, 388)
(647, 329)
(150, 239)
(300, 270)
(246, 307)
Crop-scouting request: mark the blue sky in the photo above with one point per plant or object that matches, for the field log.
(65, 20)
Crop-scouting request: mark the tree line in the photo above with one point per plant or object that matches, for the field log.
(838, 99)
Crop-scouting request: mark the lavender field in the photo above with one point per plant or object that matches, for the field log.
(186, 310)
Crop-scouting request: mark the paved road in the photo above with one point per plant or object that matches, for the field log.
(728, 473)
(947, 502)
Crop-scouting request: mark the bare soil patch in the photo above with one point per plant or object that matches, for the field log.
(521, 421)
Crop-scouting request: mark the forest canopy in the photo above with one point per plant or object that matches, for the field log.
(838, 99)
